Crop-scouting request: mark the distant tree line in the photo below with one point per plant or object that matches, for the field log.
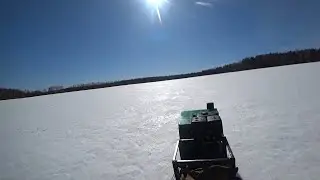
(260, 61)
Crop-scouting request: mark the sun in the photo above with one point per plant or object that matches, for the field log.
(156, 5)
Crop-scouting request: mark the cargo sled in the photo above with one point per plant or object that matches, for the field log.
(202, 151)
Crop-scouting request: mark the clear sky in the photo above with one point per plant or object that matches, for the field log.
(65, 42)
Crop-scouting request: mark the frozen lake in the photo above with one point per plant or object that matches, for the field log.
(271, 119)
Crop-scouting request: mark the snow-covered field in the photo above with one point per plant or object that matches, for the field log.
(271, 119)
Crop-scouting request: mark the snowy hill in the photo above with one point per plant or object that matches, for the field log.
(271, 118)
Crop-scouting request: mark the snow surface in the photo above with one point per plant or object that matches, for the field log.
(271, 119)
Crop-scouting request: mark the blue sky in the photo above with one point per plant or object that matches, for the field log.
(53, 42)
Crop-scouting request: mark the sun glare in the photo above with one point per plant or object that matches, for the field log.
(156, 5)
